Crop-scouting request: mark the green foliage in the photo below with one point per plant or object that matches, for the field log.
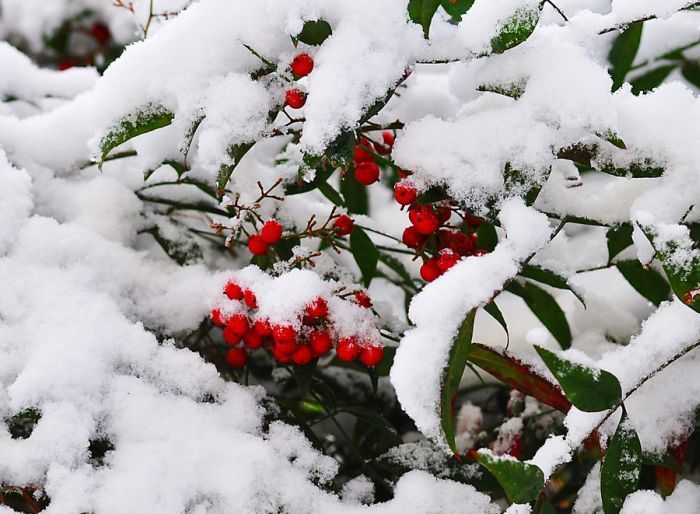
(314, 32)
(365, 253)
(546, 308)
(236, 153)
(619, 237)
(521, 482)
(645, 280)
(651, 79)
(622, 467)
(516, 29)
(623, 52)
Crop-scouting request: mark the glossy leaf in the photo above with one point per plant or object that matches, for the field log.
(691, 72)
(365, 253)
(148, 119)
(422, 12)
(315, 32)
(622, 467)
(496, 314)
(516, 29)
(456, 8)
(589, 389)
(623, 52)
(545, 276)
(520, 481)
(646, 281)
(354, 195)
(452, 376)
(619, 237)
(652, 79)
(518, 375)
(486, 237)
(236, 152)
(546, 308)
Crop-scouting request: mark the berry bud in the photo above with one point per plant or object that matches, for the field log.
(295, 98)
(366, 173)
(343, 225)
(347, 349)
(271, 232)
(236, 357)
(257, 245)
(302, 64)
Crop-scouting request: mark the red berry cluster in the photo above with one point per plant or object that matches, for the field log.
(315, 338)
(430, 227)
(301, 66)
(270, 234)
(366, 170)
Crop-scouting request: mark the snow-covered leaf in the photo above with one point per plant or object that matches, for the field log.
(622, 466)
(521, 482)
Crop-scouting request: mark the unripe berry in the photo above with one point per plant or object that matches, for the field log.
(361, 155)
(302, 355)
(320, 342)
(271, 232)
(257, 245)
(388, 137)
(236, 357)
(231, 336)
(405, 193)
(317, 309)
(412, 238)
(302, 64)
(233, 291)
(262, 327)
(424, 219)
(446, 260)
(347, 349)
(295, 98)
(217, 318)
(284, 334)
(238, 324)
(429, 271)
(371, 355)
(250, 300)
(367, 173)
(363, 300)
(343, 225)
(252, 340)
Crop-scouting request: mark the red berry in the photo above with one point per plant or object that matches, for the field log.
(473, 221)
(347, 349)
(252, 340)
(320, 342)
(363, 300)
(480, 252)
(446, 260)
(367, 173)
(284, 334)
(405, 193)
(458, 242)
(302, 64)
(262, 327)
(271, 232)
(381, 149)
(429, 271)
(371, 355)
(317, 309)
(302, 355)
(424, 219)
(233, 291)
(287, 347)
(388, 137)
(412, 238)
(231, 336)
(257, 245)
(444, 213)
(217, 318)
(100, 32)
(295, 98)
(280, 356)
(343, 225)
(238, 324)
(361, 155)
(237, 357)
(250, 300)
(66, 64)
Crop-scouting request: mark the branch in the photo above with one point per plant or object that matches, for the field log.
(624, 25)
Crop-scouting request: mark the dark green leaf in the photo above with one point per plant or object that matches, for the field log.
(646, 169)
(651, 79)
(375, 420)
(623, 52)
(189, 137)
(147, 119)
(646, 281)
(422, 12)
(619, 237)
(452, 376)
(545, 308)
(622, 467)
(613, 139)
(284, 247)
(514, 90)
(365, 253)
(236, 152)
(521, 482)
(315, 32)
(330, 193)
(382, 369)
(548, 277)
(589, 389)
(456, 8)
(487, 238)
(355, 195)
(183, 251)
(691, 72)
(516, 29)
(496, 314)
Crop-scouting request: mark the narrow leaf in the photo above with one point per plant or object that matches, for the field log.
(651, 79)
(623, 52)
(619, 237)
(521, 482)
(546, 308)
(691, 72)
(452, 376)
(622, 467)
(646, 281)
(496, 314)
(354, 194)
(589, 389)
(236, 152)
(548, 277)
(365, 253)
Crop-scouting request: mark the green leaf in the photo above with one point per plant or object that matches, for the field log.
(513, 90)
(691, 72)
(452, 376)
(236, 152)
(623, 52)
(646, 281)
(422, 12)
(496, 314)
(486, 237)
(518, 375)
(516, 29)
(548, 277)
(375, 420)
(521, 482)
(619, 237)
(147, 119)
(330, 193)
(456, 8)
(589, 389)
(184, 250)
(643, 169)
(545, 308)
(189, 137)
(365, 253)
(314, 32)
(651, 79)
(355, 195)
(612, 138)
(622, 467)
